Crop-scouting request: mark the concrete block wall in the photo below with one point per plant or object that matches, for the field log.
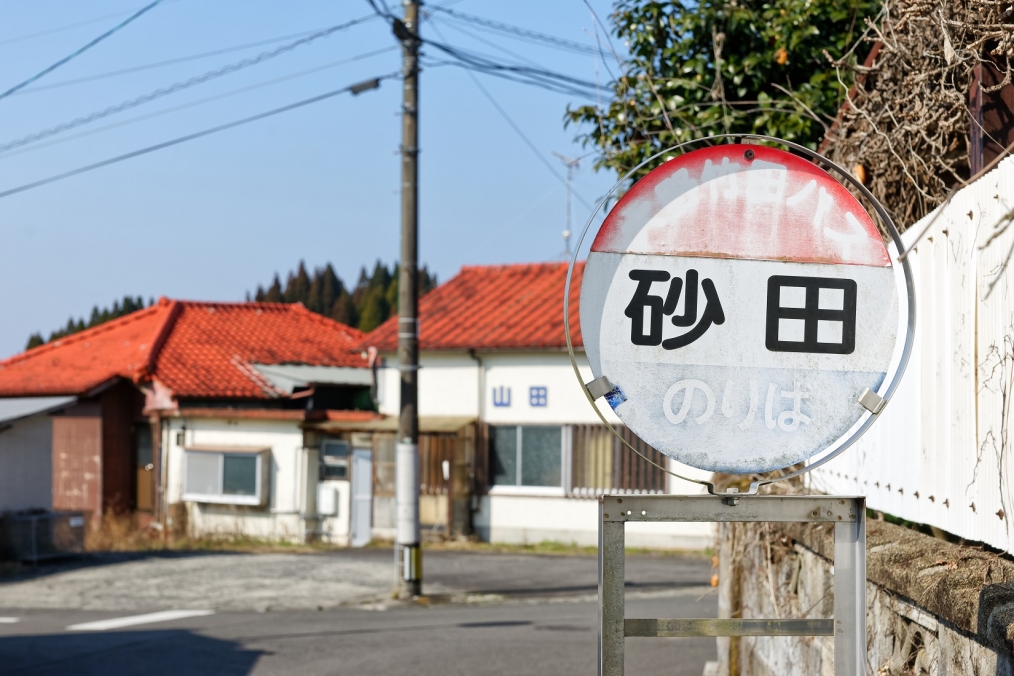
(933, 608)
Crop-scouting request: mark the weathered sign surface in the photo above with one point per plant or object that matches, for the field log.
(739, 300)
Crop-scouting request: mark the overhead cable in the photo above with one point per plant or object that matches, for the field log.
(357, 87)
(531, 75)
(488, 43)
(519, 73)
(59, 29)
(516, 31)
(69, 26)
(81, 50)
(528, 142)
(179, 86)
(519, 132)
(160, 64)
(198, 102)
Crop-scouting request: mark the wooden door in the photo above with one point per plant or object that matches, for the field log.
(144, 499)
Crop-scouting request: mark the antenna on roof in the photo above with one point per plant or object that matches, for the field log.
(572, 165)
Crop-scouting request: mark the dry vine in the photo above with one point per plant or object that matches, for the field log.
(907, 122)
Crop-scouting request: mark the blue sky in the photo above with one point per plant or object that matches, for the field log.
(213, 218)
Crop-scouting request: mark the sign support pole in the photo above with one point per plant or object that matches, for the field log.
(408, 550)
(611, 581)
(850, 596)
(848, 626)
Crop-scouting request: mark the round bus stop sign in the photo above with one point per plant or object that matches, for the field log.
(740, 301)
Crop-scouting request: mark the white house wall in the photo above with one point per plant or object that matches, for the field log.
(528, 519)
(26, 464)
(284, 515)
(511, 377)
(449, 385)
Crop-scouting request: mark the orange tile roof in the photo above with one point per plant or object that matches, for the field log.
(278, 414)
(196, 349)
(493, 307)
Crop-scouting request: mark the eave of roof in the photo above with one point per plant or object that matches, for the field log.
(384, 423)
(297, 415)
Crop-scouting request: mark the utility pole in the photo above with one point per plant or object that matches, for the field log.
(408, 554)
(572, 165)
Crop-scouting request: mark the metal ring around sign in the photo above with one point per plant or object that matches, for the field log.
(887, 388)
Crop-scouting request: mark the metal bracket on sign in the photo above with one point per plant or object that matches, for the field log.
(872, 401)
(599, 387)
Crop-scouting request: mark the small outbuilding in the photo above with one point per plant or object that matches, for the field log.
(185, 414)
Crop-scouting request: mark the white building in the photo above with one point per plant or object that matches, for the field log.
(531, 451)
(191, 416)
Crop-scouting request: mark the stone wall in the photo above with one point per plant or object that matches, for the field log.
(933, 608)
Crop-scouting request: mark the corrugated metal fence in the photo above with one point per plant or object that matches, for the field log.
(601, 464)
(941, 452)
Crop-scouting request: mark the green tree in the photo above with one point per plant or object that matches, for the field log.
(344, 310)
(274, 292)
(722, 66)
(331, 288)
(375, 309)
(35, 340)
(324, 290)
(297, 287)
(368, 304)
(427, 282)
(362, 285)
(391, 293)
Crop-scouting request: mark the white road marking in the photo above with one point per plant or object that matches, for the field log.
(118, 622)
(9, 620)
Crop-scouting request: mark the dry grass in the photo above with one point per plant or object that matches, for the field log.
(124, 533)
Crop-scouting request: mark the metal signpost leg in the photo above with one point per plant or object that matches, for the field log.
(850, 595)
(848, 626)
(611, 595)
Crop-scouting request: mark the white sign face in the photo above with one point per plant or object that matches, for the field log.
(739, 300)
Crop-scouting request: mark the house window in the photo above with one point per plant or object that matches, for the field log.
(334, 458)
(526, 456)
(227, 475)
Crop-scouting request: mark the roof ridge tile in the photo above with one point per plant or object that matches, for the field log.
(80, 336)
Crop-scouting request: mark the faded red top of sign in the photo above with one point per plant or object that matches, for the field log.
(721, 202)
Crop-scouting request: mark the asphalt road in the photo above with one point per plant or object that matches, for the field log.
(239, 582)
(499, 614)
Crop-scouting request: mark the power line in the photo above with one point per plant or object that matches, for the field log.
(528, 142)
(59, 29)
(191, 104)
(160, 64)
(179, 86)
(542, 77)
(67, 27)
(515, 31)
(517, 129)
(81, 50)
(354, 89)
(531, 75)
(484, 41)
